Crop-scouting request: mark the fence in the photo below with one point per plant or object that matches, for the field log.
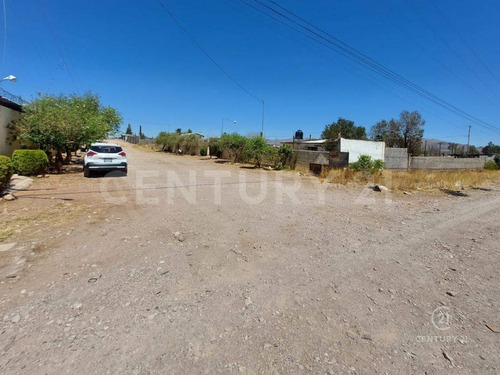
(13, 98)
(135, 140)
(395, 158)
(447, 162)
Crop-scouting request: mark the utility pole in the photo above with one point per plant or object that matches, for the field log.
(440, 143)
(468, 140)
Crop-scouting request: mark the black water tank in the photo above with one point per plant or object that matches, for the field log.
(299, 134)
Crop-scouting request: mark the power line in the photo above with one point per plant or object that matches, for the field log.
(352, 54)
(451, 49)
(465, 42)
(59, 50)
(371, 79)
(457, 77)
(176, 20)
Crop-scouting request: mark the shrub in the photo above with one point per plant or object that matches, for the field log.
(6, 170)
(278, 166)
(366, 164)
(203, 150)
(255, 149)
(215, 148)
(189, 144)
(497, 161)
(285, 153)
(490, 165)
(378, 165)
(29, 162)
(234, 144)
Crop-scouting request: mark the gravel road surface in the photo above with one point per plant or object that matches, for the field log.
(187, 266)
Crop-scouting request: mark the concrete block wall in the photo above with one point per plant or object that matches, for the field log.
(303, 158)
(396, 158)
(446, 162)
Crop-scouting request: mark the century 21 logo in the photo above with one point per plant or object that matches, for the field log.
(441, 318)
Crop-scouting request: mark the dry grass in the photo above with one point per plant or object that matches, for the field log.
(151, 147)
(415, 180)
(32, 223)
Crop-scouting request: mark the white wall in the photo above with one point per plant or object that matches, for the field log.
(356, 148)
(6, 116)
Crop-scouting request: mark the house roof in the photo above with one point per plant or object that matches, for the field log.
(307, 141)
(10, 104)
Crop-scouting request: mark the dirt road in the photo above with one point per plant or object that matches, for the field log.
(186, 266)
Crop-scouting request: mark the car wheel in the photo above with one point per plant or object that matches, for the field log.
(86, 172)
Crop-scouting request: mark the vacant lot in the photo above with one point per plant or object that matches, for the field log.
(186, 266)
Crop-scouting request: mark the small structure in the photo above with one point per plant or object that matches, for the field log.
(9, 111)
(306, 144)
(356, 148)
(320, 164)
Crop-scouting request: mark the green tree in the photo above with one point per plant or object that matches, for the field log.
(491, 148)
(190, 144)
(342, 128)
(63, 123)
(234, 144)
(388, 132)
(452, 147)
(255, 149)
(189, 131)
(407, 132)
(215, 147)
(169, 142)
(178, 131)
(285, 153)
(129, 129)
(473, 150)
(412, 131)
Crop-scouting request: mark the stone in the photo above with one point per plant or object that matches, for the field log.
(16, 318)
(9, 197)
(179, 237)
(380, 188)
(7, 246)
(248, 301)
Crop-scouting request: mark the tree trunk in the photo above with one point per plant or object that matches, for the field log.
(59, 161)
(68, 155)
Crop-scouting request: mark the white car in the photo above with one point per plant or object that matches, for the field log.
(104, 157)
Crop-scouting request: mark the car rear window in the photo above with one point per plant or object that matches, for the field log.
(106, 149)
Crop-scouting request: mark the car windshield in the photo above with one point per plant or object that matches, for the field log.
(103, 149)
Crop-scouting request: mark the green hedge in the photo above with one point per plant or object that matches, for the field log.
(6, 170)
(30, 162)
(490, 165)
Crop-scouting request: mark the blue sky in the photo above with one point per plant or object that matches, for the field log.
(137, 59)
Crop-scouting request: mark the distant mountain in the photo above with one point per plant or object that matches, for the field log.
(433, 145)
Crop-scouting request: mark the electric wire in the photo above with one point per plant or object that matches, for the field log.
(363, 60)
(195, 42)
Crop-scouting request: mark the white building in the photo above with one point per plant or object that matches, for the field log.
(9, 111)
(356, 148)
